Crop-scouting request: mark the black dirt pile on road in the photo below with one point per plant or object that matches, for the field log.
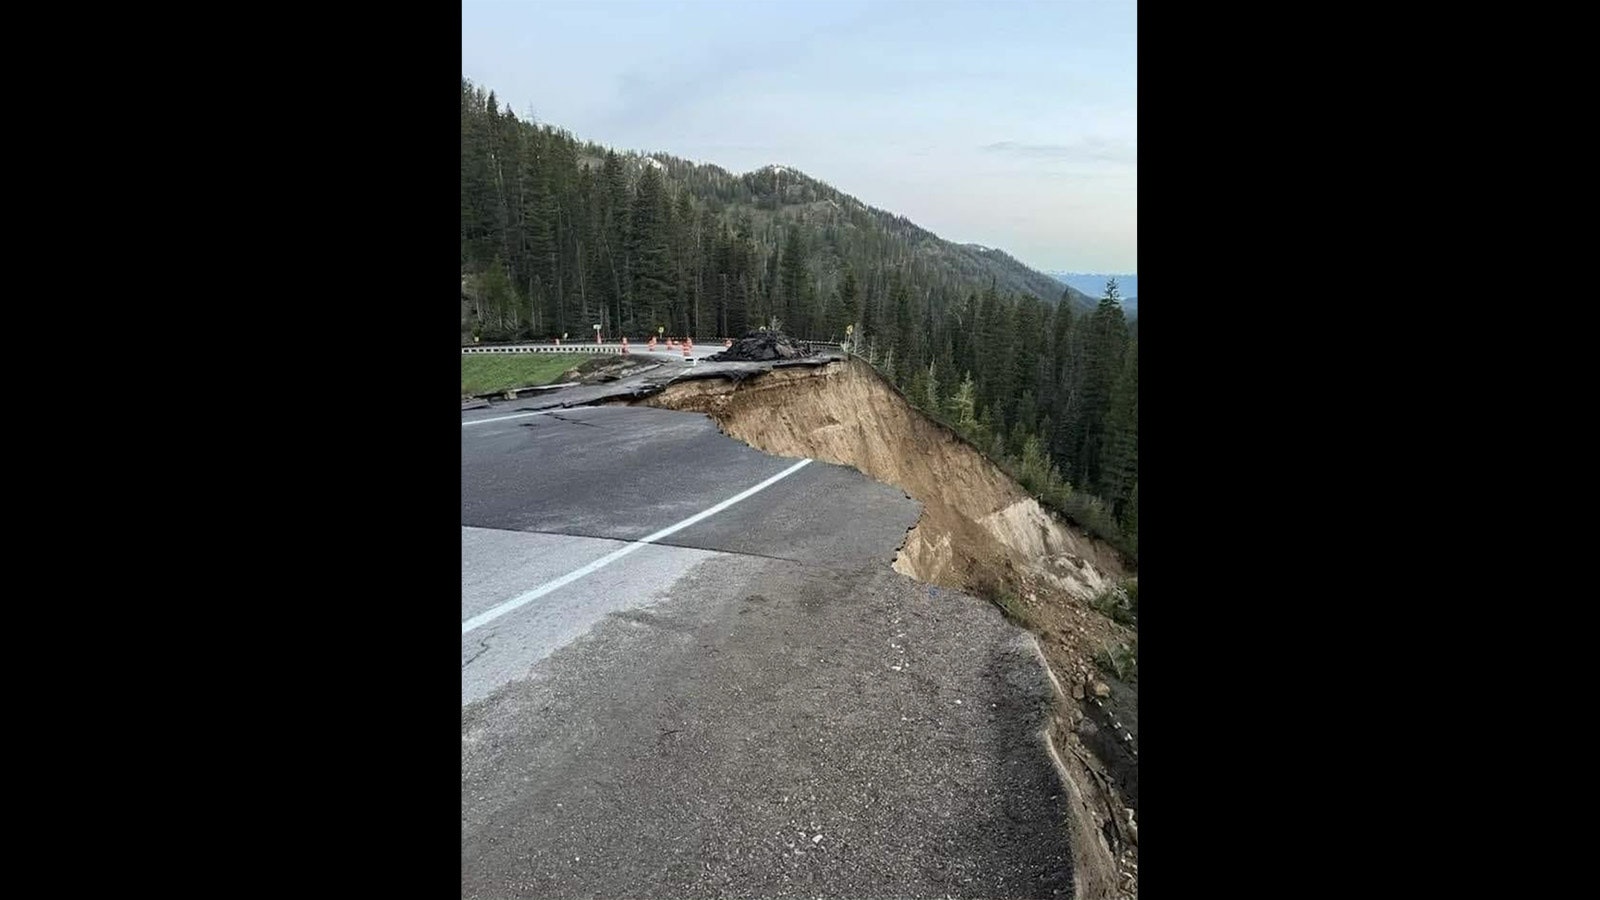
(762, 346)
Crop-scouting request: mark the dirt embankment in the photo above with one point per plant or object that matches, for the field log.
(979, 532)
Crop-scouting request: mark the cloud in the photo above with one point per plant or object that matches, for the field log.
(1090, 149)
(721, 75)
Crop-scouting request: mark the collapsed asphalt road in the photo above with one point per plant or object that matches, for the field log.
(749, 704)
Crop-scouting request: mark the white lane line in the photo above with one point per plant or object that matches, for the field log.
(542, 412)
(515, 603)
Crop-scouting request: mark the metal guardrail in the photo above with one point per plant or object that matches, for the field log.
(544, 348)
(606, 347)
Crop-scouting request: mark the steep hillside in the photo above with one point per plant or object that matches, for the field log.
(843, 230)
(558, 234)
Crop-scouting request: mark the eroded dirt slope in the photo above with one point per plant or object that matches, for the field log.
(978, 528)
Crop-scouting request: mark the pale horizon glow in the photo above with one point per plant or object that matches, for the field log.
(1008, 124)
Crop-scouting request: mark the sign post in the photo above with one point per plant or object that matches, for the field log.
(597, 334)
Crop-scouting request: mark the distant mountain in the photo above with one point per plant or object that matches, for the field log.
(841, 229)
(1094, 285)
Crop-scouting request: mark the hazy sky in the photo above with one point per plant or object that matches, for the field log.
(999, 122)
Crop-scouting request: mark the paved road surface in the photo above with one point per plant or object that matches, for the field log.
(668, 366)
(750, 704)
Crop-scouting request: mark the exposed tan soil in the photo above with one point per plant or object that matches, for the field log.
(979, 532)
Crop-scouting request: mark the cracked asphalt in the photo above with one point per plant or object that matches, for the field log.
(756, 706)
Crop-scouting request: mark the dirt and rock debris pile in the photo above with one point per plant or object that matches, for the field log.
(979, 532)
(602, 369)
(762, 346)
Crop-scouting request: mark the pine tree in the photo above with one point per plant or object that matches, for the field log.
(928, 399)
(1027, 373)
(501, 160)
(791, 277)
(917, 389)
(1102, 363)
(538, 238)
(686, 258)
(963, 411)
(1130, 518)
(739, 320)
(903, 336)
(1055, 389)
(943, 359)
(475, 189)
(613, 234)
(867, 331)
(1027, 417)
(964, 334)
(499, 299)
(1120, 466)
(849, 306)
(997, 359)
(650, 256)
(770, 300)
(1034, 470)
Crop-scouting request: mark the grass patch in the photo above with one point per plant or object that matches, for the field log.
(1089, 512)
(1120, 660)
(1002, 594)
(1120, 602)
(1013, 608)
(484, 373)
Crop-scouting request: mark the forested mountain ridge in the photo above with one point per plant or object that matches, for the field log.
(559, 234)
